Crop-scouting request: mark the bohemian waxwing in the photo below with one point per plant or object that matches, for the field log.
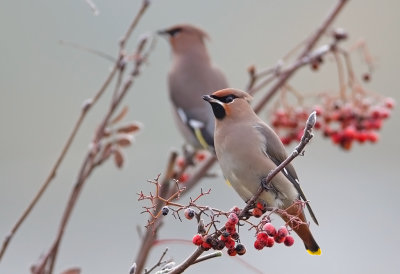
(247, 150)
(191, 75)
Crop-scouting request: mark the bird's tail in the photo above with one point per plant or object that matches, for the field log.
(302, 228)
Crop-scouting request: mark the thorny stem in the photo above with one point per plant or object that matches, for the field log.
(342, 84)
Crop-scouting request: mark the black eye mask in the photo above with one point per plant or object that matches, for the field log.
(225, 99)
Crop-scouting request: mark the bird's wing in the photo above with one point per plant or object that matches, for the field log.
(199, 128)
(186, 86)
(277, 153)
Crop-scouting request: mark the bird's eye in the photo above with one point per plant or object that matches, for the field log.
(228, 99)
(174, 31)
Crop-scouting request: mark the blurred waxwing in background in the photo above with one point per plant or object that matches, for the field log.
(247, 150)
(191, 75)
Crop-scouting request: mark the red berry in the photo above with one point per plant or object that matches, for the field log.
(230, 243)
(269, 229)
(262, 237)
(180, 162)
(183, 178)
(375, 113)
(257, 212)
(235, 210)
(346, 144)
(349, 132)
(233, 218)
(240, 249)
(384, 113)
(225, 236)
(275, 123)
(200, 156)
(261, 205)
(282, 232)
(278, 239)
(189, 213)
(376, 124)
(270, 242)
(289, 240)
(372, 136)
(232, 252)
(231, 230)
(258, 245)
(336, 137)
(362, 136)
(206, 246)
(286, 140)
(197, 239)
(389, 102)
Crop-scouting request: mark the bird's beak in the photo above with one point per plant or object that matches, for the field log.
(162, 32)
(208, 98)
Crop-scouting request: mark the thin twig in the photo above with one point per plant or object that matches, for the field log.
(90, 50)
(93, 7)
(158, 263)
(151, 234)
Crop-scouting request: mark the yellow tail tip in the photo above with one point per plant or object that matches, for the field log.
(318, 252)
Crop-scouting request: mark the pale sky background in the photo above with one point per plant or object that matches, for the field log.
(43, 84)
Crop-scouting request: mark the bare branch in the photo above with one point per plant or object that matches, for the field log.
(158, 263)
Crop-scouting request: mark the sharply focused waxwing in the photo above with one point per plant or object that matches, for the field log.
(247, 150)
(191, 75)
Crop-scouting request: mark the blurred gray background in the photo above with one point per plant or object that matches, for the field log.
(43, 85)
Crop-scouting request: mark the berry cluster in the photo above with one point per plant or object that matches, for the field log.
(229, 238)
(354, 121)
(269, 236)
(259, 209)
(289, 123)
(344, 123)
